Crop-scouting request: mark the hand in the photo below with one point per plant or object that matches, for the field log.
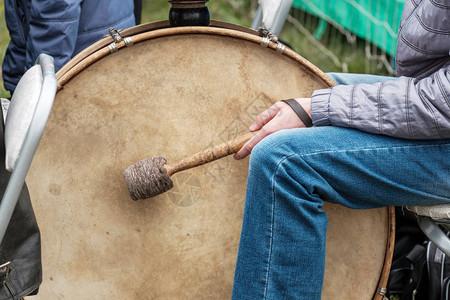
(278, 116)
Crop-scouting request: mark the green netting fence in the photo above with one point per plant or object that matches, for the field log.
(374, 20)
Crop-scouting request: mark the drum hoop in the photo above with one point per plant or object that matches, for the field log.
(384, 277)
(159, 29)
(107, 40)
(155, 30)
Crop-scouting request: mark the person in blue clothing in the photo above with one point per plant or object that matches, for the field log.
(60, 28)
(376, 141)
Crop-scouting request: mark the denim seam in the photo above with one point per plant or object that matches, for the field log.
(269, 258)
(368, 149)
(272, 221)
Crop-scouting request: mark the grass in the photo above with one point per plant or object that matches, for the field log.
(4, 40)
(241, 13)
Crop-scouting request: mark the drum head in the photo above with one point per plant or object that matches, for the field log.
(173, 93)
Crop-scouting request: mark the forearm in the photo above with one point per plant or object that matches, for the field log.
(403, 107)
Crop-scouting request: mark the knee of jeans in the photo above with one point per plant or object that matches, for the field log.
(279, 145)
(260, 154)
(268, 151)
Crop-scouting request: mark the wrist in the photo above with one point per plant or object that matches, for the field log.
(306, 104)
(298, 106)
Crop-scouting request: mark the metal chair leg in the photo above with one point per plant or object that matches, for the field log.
(434, 233)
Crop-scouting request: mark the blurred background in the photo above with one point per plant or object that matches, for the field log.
(356, 36)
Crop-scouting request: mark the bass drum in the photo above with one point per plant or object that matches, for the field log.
(173, 92)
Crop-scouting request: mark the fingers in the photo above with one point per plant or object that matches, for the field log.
(248, 147)
(278, 116)
(264, 117)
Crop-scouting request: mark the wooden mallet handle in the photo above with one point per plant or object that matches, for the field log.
(150, 177)
(210, 154)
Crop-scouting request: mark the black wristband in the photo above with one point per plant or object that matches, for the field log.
(300, 111)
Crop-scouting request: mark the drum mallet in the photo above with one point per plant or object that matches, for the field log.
(149, 177)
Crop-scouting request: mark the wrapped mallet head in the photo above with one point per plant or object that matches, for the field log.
(147, 178)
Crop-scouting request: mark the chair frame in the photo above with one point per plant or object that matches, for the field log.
(431, 228)
(280, 18)
(30, 144)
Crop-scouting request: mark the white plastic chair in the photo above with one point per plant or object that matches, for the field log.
(431, 219)
(27, 116)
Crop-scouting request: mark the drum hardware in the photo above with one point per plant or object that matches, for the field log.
(280, 47)
(128, 41)
(382, 291)
(117, 39)
(265, 41)
(113, 48)
(268, 37)
(148, 177)
(265, 33)
(189, 13)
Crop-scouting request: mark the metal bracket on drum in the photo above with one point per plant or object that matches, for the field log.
(268, 37)
(382, 291)
(117, 39)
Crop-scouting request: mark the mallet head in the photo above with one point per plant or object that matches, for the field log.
(147, 178)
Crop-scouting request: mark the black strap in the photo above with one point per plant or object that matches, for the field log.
(300, 111)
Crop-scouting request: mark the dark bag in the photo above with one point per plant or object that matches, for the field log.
(438, 265)
(21, 245)
(420, 270)
(406, 278)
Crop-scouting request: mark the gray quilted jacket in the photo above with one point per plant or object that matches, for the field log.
(417, 104)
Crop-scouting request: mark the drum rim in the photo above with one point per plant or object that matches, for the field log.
(159, 29)
(107, 40)
(384, 276)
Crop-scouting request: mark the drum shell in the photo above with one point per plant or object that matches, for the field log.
(175, 92)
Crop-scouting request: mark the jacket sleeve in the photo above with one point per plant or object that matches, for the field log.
(404, 107)
(53, 30)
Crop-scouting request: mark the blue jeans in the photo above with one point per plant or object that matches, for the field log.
(292, 172)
